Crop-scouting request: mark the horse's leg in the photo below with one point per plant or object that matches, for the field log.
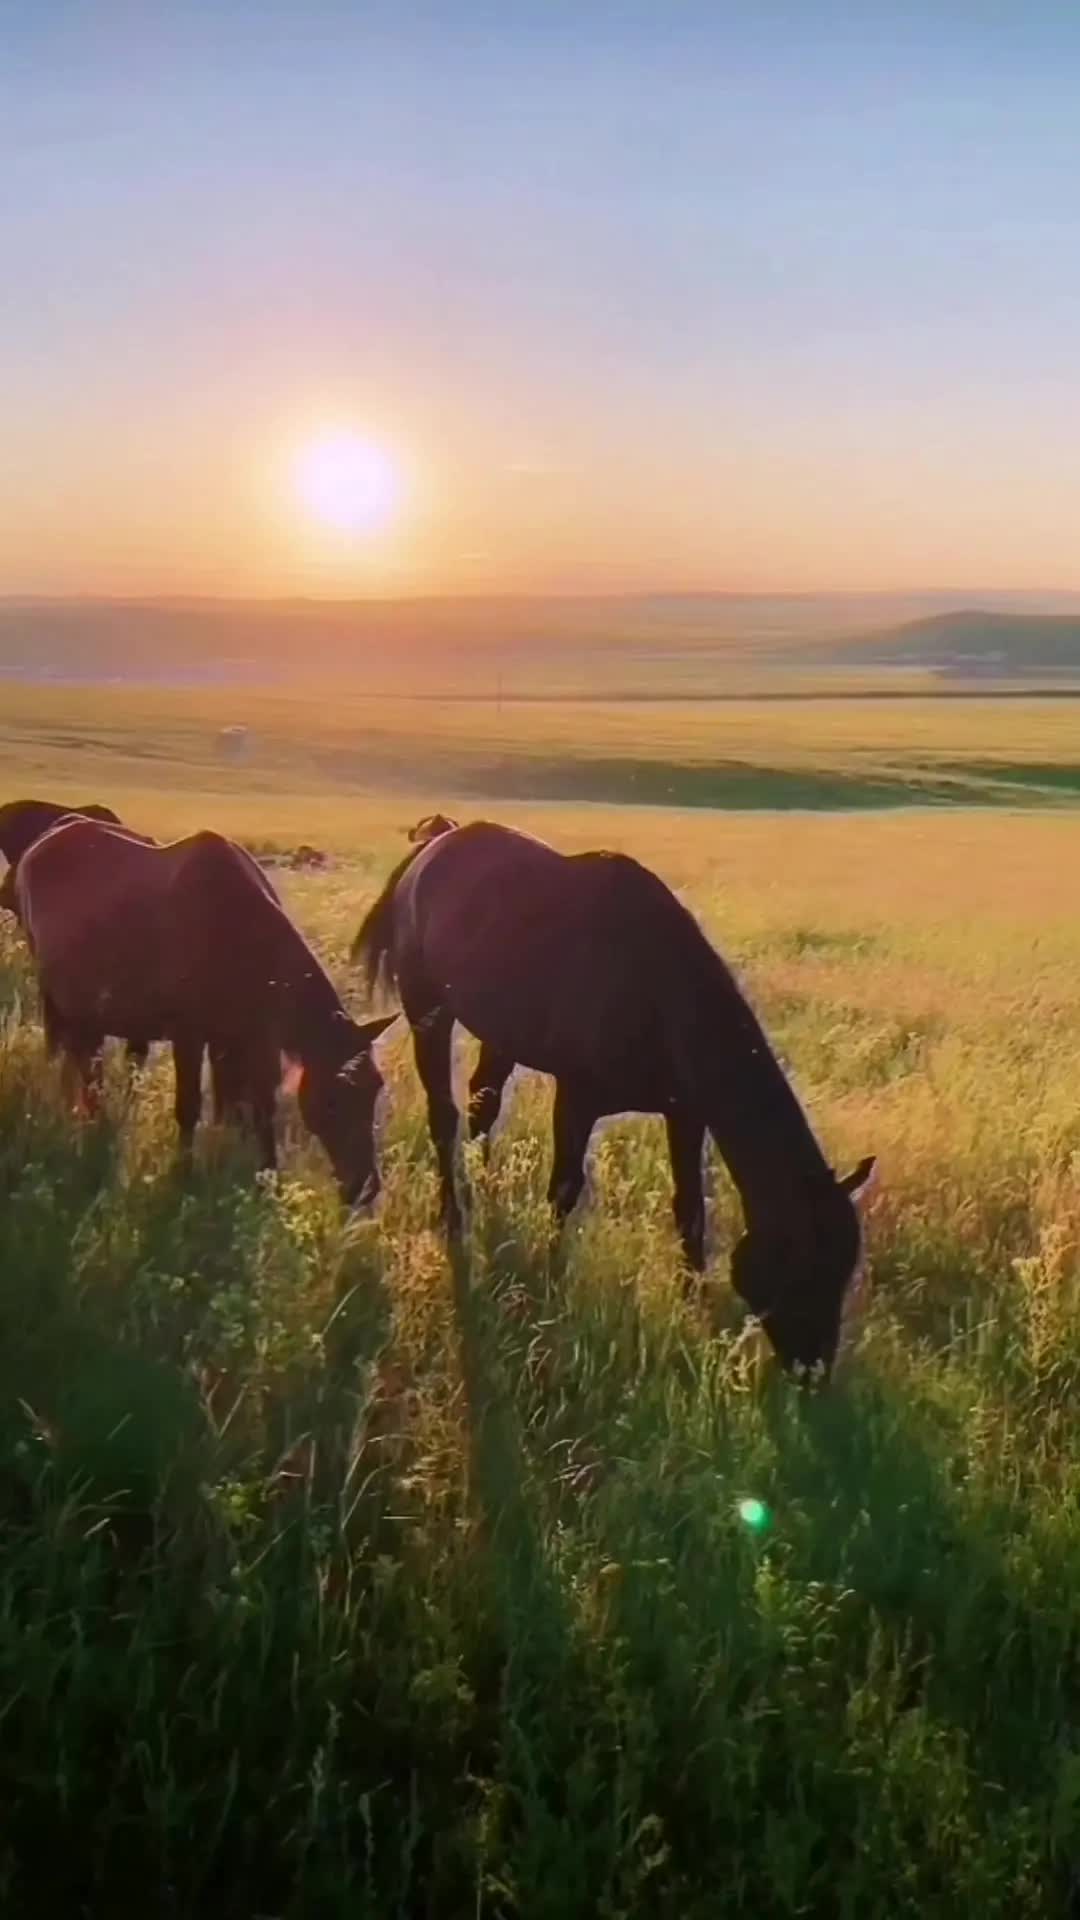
(83, 1049)
(574, 1118)
(259, 1092)
(52, 1026)
(187, 1061)
(686, 1139)
(245, 1094)
(493, 1070)
(56, 1042)
(431, 1043)
(80, 1050)
(263, 1118)
(227, 1084)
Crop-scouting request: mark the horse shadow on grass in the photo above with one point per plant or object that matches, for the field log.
(883, 1576)
(874, 1578)
(537, 1684)
(130, 1335)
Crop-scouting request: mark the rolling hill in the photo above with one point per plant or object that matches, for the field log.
(971, 643)
(656, 646)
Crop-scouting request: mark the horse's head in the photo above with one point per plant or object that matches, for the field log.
(430, 827)
(337, 1095)
(795, 1275)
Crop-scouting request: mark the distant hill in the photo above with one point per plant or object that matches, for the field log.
(971, 643)
(659, 645)
(521, 644)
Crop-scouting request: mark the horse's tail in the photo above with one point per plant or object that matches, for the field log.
(372, 949)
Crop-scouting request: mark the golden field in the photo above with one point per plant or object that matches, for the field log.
(307, 747)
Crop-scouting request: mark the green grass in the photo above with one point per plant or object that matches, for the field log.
(338, 1581)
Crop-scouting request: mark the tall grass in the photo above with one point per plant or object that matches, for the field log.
(336, 1579)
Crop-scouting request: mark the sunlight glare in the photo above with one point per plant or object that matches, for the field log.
(755, 1515)
(347, 482)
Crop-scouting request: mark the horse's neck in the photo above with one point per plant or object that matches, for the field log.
(306, 1002)
(752, 1110)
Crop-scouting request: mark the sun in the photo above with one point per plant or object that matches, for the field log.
(347, 482)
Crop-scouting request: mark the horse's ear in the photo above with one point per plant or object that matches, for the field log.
(368, 1031)
(858, 1184)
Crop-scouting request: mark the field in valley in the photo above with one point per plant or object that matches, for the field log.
(309, 748)
(336, 1580)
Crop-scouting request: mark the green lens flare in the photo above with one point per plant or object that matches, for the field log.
(754, 1514)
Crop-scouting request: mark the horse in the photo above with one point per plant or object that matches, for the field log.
(24, 821)
(182, 942)
(586, 967)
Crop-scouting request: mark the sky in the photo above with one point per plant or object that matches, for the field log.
(765, 296)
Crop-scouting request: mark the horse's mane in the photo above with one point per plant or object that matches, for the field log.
(372, 949)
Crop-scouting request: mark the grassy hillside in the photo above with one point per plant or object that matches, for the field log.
(338, 1582)
(972, 643)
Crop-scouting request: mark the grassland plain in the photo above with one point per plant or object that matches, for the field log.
(336, 1580)
(745, 754)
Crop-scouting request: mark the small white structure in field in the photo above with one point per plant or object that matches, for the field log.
(234, 742)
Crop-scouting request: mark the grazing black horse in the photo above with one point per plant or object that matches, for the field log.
(586, 967)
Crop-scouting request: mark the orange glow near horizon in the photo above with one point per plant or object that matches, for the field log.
(401, 302)
(160, 504)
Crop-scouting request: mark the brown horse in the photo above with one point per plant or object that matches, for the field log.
(589, 969)
(185, 942)
(24, 821)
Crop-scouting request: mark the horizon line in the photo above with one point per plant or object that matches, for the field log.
(556, 596)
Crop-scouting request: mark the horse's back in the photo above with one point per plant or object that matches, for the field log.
(464, 886)
(142, 933)
(481, 849)
(485, 877)
(553, 958)
(24, 821)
